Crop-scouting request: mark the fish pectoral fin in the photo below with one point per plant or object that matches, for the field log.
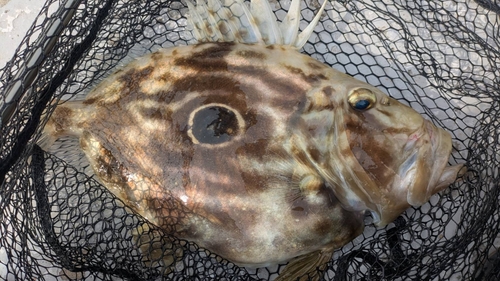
(306, 267)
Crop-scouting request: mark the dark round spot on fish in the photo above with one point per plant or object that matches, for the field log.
(214, 125)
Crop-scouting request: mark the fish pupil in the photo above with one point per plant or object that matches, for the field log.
(362, 104)
(214, 125)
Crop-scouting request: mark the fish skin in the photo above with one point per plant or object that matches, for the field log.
(234, 193)
(300, 168)
(278, 189)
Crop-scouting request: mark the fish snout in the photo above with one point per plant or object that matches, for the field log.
(425, 135)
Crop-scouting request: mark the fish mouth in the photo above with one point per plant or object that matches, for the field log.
(431, 146)
(434, 149)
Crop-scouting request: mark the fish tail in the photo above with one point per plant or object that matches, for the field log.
(63, 121)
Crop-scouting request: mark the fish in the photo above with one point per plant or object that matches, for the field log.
(251, 149)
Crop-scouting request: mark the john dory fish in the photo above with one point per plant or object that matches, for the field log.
(251, 149)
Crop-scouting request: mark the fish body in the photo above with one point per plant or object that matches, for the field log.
(253, 150)
(243, 193)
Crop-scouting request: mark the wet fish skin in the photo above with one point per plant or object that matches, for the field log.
(278, 188)
(242, 199)
(296, 155)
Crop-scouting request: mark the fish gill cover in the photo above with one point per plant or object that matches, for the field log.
(440, 57)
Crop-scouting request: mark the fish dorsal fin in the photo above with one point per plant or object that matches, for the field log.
(233, 21)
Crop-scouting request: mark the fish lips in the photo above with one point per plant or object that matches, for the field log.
(422, 170)
(419, 176)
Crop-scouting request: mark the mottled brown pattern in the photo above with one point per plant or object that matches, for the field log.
(316, 65)
(165, 77)
(320, 100)
(310, 78)
(187, 157)
(278, 183)
(323, 227)
(158, 144)
(170, 214)
(329, 224)
(315, 154)
(132, 79)
(288, 91)
(208, 59)
(368, 119)
(254, 182)
(159, 114)
(90, 101)
(299, 154)
(157, 56)
(251, 55)
(328, 90)
(62, 119)
(163, 96)
(207, 82)
(213, 89)
(372, 155)
(113, 172)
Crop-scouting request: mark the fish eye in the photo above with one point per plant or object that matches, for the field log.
(362, 99)
(214, 124)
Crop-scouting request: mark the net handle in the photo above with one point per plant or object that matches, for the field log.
(29, 70)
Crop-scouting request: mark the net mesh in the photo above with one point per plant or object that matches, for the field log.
(440, 57)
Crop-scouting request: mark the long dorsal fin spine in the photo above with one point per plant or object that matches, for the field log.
(306, 33)
(215, 22)
(214, 31)
(264, 15)
(290, 24)
(254, 27)
(224, 14)
(195, 21)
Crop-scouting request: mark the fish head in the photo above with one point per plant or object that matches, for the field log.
(383, 156)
